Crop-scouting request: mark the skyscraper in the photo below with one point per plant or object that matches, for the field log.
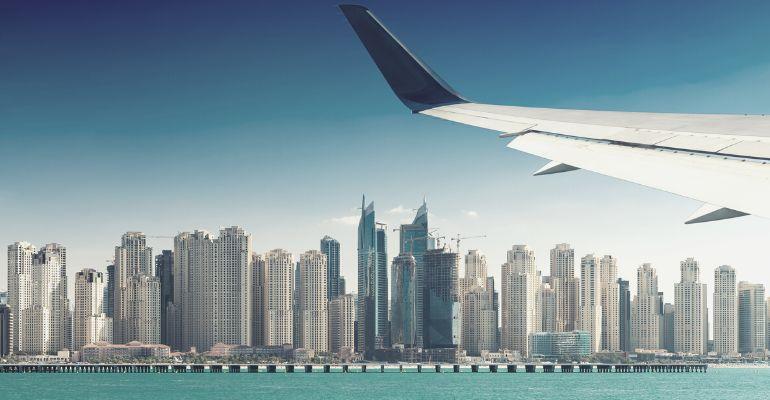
(520, 291)
(279, 317)
(415, 240)
(331, 248)
(725, 311)
(691, 315)
(109, 297)
(590, 300)
(136, 314)
(313, 312)
(752, 314)
(441, 301)
(668, 328)
(164, 270)
(37, 284)
(624, 314)
(193, 299)
(90, 323)
(372, 309)
(342, 317)
(478, 307)
(232, 287)
(402, 308)
(6, 330)
(548, 308)
(610, 303)
(566, 287)
(646, 310)
(258, 300)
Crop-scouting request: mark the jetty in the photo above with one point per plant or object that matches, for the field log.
(353, 368)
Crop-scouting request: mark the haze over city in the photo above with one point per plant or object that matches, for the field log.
(219, 124)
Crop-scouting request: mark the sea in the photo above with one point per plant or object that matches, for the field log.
(722, 383)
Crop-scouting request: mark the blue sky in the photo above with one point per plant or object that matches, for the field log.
(172, 116)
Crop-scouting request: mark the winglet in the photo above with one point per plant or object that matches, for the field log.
(415, 84)
(709, 212)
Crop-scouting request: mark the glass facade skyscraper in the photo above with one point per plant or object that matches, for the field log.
(372, 312)
(402, 309)
(441, 302)
(415, 240)
(331, 248)
(624, 314)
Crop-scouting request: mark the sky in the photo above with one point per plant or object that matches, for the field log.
(171, 116)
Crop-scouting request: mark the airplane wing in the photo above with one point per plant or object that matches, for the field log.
(718, 159)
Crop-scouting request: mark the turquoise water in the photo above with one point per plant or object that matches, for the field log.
(716, 384)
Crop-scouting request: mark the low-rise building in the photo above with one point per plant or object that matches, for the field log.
(103, 351)
(570, 345)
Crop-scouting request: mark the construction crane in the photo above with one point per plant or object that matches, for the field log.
(458, 239)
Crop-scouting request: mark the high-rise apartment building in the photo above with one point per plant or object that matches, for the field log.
(278, 287)
(330, 247)
(136, 312)
(668, 328)
(520, 291)
(566, 287)
(342, 317)
(90, 323)
(647, 309)
(109, 296)
(624, 314)
(442, 304)
(479, 321)
(37, 287)
(164, 270)
(313, 311)
(590, 300)
(372, 309)
(610, 303)
(547, 308)
(257, 300)
(725, 322)
(691, 315)
(752, 322)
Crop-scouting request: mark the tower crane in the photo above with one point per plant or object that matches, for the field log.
(459, 239)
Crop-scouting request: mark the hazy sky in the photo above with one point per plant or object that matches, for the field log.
(171, 116)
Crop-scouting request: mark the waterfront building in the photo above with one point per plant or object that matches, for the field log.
(257, 300)
(647, 309)
(566, 287)
(109, 297)
(164, 270)
(610, 304)
(668, 330)
(590, 300)
(547, 307)
(37, 287)
(414, 239)
(752, 314)
(624, 314)
(441, 301)
(342, 317)
(479, 322)
(136, 311)
(103, 351)
(476, 268)
(691, 315)
(6, 330)
(212, 297)
(372, 309)
(313, 312)
(279, 288)
(725, 322)
(402, 309)
(520, 291)
(561, 345)
(331, 248)
(193, 299)
(90, 323)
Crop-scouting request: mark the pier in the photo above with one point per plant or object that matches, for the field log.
(352, 368)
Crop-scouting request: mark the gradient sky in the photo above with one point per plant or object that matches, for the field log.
(171, 116)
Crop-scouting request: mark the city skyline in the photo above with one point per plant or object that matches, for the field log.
(161, 129)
